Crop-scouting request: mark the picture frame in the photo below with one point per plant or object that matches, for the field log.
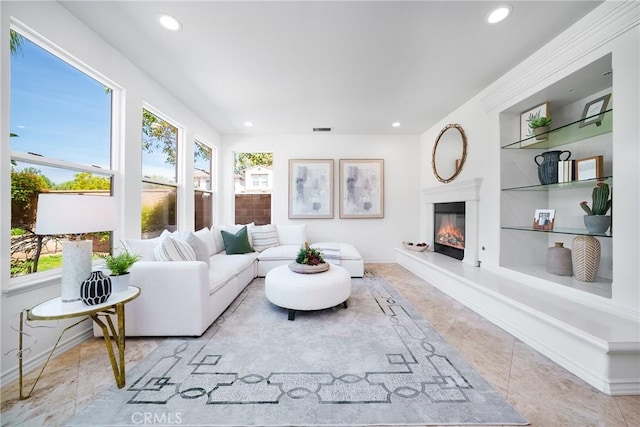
(310, 188)
(361, 188)
(589, 168)
(526, 134)
(594, 111)
(543, 219)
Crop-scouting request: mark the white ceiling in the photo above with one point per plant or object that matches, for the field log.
(354, 66)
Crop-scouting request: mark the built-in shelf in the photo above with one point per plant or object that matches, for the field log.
(557, 230)
(584, 183)
(568, 133)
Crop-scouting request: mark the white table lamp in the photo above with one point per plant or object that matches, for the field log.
(60, 213)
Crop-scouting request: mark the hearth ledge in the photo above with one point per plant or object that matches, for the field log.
(598, 346)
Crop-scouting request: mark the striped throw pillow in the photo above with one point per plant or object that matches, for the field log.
(171, 249)
(264, 237)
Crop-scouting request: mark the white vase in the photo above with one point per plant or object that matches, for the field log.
(120, 283)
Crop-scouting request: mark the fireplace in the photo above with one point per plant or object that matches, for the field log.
(449, 229)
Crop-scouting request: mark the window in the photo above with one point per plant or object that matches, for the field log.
(253, 176)
(260, 180)
(61, 121)
(202, 185)
(159, 175)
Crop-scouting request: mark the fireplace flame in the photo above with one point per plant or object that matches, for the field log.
(450, 235)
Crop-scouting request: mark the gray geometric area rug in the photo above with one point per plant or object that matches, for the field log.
(377, 362)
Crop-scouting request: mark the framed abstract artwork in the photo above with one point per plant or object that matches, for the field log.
(310, 188)
(361, 188)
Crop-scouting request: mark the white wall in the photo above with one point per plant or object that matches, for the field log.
(375, 238)
(56, 25)
(618, 34)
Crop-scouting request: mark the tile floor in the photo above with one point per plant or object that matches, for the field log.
(544, 393)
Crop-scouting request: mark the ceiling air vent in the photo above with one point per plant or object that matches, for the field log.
(322, 129)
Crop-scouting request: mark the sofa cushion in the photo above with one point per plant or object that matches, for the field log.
(223, 268)
(236, 243)
(280, 253)
(264, 237)
(172, 249)
(292, 234)
(346, 250)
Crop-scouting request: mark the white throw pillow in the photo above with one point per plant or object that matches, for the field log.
(207, 236)
(264, 237)
(292, 234)
(199, 247)
(172, 249)
(144, 247)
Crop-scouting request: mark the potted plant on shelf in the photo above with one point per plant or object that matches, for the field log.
(596, 220)
(119, 266)
(540, 127)
(309, 260)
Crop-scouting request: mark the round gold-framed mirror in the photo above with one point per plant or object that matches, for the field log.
(449, 153)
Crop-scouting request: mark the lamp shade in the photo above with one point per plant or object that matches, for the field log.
(60, 213)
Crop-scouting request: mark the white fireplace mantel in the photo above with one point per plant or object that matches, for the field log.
(462, 191)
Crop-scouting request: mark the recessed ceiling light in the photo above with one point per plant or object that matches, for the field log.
(499, 14)
(248, 124)
(169, 22)
(395, 124)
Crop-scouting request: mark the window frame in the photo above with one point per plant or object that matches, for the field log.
(211, 192)
(179, 168)
(27, 282)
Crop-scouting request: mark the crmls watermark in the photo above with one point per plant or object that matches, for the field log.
(157, 418)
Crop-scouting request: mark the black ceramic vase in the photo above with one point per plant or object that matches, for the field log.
(548, 165)
(95, 289)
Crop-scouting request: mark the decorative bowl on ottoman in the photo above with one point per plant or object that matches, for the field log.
(418, 247)
(308, 261)
(308, 269)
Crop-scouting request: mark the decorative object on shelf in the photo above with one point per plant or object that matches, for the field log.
(119, 266)
(596, 220)
(361, 188)
(418, 247)
(540, 127)
(594, 111)
(310, 188)
(526, 117)
(544, 219)
(95, 289)
(585, 256)
(309, 260)
(448, 160)
(548, 165)
(559, 260)
(82, 214)
(589, 168)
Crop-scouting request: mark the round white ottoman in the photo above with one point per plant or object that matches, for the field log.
(296, 291)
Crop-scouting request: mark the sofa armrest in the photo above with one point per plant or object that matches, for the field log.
(174, 298)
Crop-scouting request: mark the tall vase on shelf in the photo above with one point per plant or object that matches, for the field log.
(585, 255)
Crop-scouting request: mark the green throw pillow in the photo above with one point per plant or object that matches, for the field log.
(236, 243)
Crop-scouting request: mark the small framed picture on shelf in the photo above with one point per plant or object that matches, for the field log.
(589, 168)
(538, 111)
(594, 111)
(544, 219)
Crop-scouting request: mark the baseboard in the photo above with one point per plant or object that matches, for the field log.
(607, 366)
(37, 361)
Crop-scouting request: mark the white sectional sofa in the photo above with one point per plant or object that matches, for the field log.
(183, 297)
